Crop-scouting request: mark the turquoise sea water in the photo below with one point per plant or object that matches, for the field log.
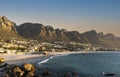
(91, 64)
(87, 65)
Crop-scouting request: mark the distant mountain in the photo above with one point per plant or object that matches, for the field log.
(110, 40)
(41, 32)
(48, 33)
(91, 37)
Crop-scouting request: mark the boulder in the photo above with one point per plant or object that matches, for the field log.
(2, 59)
(16, 72)
(6, 75)
(67, 75)
(74, 74)
(46, 73)
(27, 67)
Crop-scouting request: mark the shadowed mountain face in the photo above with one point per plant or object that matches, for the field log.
(110, 40)
(29, 30)
(92, 37)
(48, 33)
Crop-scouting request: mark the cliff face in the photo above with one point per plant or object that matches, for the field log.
(48, 33)
(92, 37)
(40, 32)
(29, 30)
(6, 24)
(7, 27)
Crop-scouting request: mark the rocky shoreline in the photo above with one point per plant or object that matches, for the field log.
(30, 70)
(16, 68)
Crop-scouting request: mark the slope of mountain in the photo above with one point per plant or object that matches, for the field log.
(91, 37)
(48, 33)
(7, 27)
(41, 32)
(110, 40)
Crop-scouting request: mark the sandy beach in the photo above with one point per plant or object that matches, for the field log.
(12, 57)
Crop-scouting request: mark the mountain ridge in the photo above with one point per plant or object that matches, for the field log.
(41, 32)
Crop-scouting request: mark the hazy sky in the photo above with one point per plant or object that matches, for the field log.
(80, 15)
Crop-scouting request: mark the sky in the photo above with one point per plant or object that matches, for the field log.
(73, 15)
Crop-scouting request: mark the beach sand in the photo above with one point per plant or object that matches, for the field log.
(14, 57)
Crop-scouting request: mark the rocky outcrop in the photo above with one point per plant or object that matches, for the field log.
(12, 70)
(28, 67)
(16, 72)
(7, 25)
(7, 28)
(26, 70)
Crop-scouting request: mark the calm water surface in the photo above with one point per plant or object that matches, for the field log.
(87, 65)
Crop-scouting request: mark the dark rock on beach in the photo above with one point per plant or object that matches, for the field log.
(26, 70)
(30, 70)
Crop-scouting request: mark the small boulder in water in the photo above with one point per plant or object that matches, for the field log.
(110, 74)
(46, 73)
(67, 75)
(74, 74)
(71, 74)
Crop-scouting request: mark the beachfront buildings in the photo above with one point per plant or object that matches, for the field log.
(15, 46)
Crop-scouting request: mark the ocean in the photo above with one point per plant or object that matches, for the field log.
(91, 64)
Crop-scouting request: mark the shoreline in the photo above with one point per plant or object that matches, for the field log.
(67, 53)
(17, 57)
(34, 59)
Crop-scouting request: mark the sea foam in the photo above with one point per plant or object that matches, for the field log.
(46, 60)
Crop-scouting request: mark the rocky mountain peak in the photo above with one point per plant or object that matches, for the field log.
(101, 34)
(110, 35)
(64, 30)
(7, 25)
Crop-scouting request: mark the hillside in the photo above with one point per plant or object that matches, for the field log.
(7, 28)
(41, 32)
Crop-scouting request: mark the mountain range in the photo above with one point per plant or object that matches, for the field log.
(48, 33)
